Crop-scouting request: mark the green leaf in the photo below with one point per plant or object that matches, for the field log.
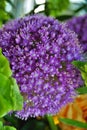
(1, 124)
(16, 97)
(56, 7)
(64, 17)
(2, 4)
(12, 119)
(34, 124)
(73, 122)
(82, 66)
(4, 65)
(6, 127)
(5, 98)
(4, 14)
(51, 122)
(82, 90)
(10, 97)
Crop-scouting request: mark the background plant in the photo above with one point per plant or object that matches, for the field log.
(10, 98)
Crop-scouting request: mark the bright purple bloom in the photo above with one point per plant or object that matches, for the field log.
(79, 26)
(40, 51)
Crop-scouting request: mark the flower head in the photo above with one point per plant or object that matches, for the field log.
(79, 26)
(40, 51)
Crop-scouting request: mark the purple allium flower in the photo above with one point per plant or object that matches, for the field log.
(79, 25)
(40, 51)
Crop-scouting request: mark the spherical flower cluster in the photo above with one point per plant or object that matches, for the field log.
(40, 51)
(79, 25)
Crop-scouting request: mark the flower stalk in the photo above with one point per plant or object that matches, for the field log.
(51, 122)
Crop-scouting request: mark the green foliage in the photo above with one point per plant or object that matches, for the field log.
(10, 98)
(82, 90)
(6, 127)
(34, 124)
(82, 66)
(51, 122)
(4, 15)
(79, 7)
(13, 120)
(4, 66)
(75, 123)
(2, 4)
(56, 7)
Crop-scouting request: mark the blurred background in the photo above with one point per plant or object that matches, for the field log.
(59, 9)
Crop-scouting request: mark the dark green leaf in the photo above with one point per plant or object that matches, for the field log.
(12, 119)
(80, 64)
(34, 124)
(73, 123)
(82, 90)
(64, 17)
(80, 8)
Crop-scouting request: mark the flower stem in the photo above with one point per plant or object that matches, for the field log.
(51, 122)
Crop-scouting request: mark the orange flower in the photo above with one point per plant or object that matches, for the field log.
(82, 103)
(76, 110)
